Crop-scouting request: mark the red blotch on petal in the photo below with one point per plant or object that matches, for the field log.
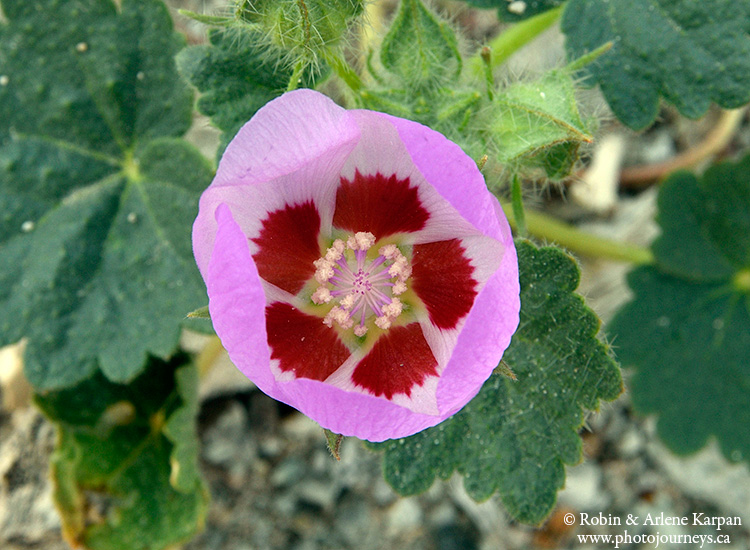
(442, 278)
(379, 204)
(288, 246)
(302, 343)
(400, 359)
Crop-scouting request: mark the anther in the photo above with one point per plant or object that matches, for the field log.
(363, 288)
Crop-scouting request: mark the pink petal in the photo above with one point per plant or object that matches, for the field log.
(288, 246)
(382, 205)
(486, 332)
(236, 301)
(290, 153)
(302, 344)
(452, 174)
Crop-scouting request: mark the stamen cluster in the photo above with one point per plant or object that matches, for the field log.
(361, 288)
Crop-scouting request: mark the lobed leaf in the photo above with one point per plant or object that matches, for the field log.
(97, 191)
(125, 467)
(420, 49)
(690, 53)
(686, 332)
(515, 437)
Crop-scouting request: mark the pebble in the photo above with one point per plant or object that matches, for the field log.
(222, 444)
(403, 516)
(317, 493)
(583, 488)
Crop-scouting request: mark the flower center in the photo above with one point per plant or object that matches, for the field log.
(361, 288)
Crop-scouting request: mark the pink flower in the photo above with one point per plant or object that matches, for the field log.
(357, 267)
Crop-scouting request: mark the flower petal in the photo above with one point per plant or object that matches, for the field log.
(400, 360)
(302, 344)
(379, 173)
(443, 280)
(285, 135)
(290, 153)
(237, 301)
(451, 173)
(382, 205)
(288, 246)
(287, 164)
(486, 332)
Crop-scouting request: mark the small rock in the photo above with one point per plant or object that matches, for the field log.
(354, 521)
(223, 440)
(631, 443)
(405, 515)
(317, 493)
(583, 488)
(288, 472)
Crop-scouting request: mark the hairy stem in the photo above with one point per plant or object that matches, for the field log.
(294, 80)
(345, 72)
(519, 215)
(545, 227)
(514, 38)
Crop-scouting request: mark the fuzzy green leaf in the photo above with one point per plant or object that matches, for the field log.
(690, 53)
(515, 437)
(687, 330)
(419, 49)
(517, 11)
(97, 192)
(125, 467)
(538, 124)
(236, 74)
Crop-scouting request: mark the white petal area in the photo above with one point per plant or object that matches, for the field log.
(423, 399)
(291, 152)
(485, 255)
(381, 150)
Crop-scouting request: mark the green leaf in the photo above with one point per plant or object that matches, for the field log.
(517, 11)
(236, 74)
(690, 53)
(97, 192)
(515, 437)
(687, 331)
(125, 467)
(538, 124)
(419, 49)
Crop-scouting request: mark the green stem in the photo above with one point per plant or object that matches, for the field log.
(345, 72)
(514, 38)
(545, 227)
(517, 201)
(590, 57)
(299, 68)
